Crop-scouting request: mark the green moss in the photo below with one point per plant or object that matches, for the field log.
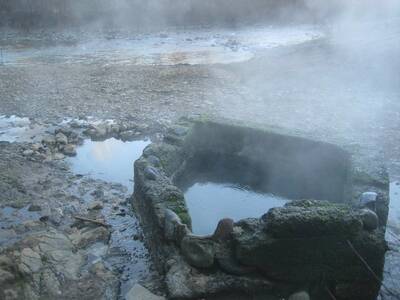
(176, 202)
(185, 218)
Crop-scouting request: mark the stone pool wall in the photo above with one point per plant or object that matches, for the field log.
(306, 245)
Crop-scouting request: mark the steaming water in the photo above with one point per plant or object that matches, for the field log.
(110, 160)
(168, 48)
(208, 203)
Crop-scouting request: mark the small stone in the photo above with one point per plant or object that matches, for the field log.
(97, 132)
(174, 230)
(180, 131)
(369, 218)
(299, 296)
(138, 292)
(154, 160)
(224, 230)
(151, 173)
(368, 198)
(28, 152)
(98, 193)
(114, 128)
(58, 156)
(95, 205)
(34, 207)
(61, 138)
(49, 140)
(126, 135)
(64, 130)
(69, 150)
(36, 147)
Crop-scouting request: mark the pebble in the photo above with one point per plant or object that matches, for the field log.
(58, 156)
(95, 205)
(69, 150)
(370, 219)
(61, 138)
(150, 173)
(28, 152)
(34, 207)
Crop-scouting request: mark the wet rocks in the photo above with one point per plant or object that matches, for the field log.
(224, 230)
(34, 207)
(290, 255)
(97, 132)
(311, 219)
(299, 243)
(46, 264)
(95, 205)
(198, 251)
(28, 152)
(125, 130)
(127, 135)
(370, 219)
(69, 150)
(299, 296)
(174, 230)
(86, 236)
(151, 173)
(61, 138)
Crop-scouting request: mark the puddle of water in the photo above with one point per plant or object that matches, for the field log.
(202, 46)
(110, 160)
(208, 203)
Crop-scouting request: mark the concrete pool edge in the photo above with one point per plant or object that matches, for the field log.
(197, 266)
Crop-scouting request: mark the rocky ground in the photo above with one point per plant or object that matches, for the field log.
(327, 92)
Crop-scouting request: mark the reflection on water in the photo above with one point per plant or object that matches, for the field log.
(208, 203)
(110, 160)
